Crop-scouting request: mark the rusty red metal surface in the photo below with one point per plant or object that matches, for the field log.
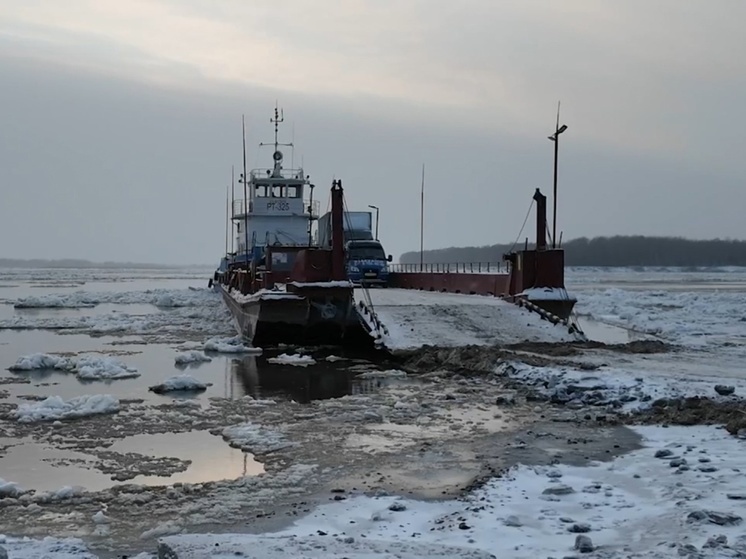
(535, 268)
(312, 265)
(473, 284)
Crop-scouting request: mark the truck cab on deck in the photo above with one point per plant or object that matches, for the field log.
(367, 263)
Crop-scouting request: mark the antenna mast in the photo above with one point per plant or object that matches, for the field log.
(555, 138)
(245, 197)
(279, 117)
(422, 219)
(227, 220)
(233, 197)
(276, 120)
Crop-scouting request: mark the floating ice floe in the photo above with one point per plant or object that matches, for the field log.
(255, 439)
(42, 361)
(54, 302)
(86, 367)
(103, 368)
(392, 374)
(55, 407)
(187, 357)
(297, 360)
(9, 489)
(229, 345)
(180, 383)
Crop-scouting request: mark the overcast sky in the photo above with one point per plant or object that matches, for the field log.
(121, 119)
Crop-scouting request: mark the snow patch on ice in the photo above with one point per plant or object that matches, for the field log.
(55, 407)
(613, 387)
(163, 529)
(312, 547)
(51, 548)
(296, 360)
(255, 439)
(634, 506)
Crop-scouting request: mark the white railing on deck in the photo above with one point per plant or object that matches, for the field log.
(296, 174)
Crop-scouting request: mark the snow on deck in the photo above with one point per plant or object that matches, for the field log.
(417, 318)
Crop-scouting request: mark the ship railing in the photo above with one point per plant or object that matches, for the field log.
(452, 268)
(264, 173)
(314, 207)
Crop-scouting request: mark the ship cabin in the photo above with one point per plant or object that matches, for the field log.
(277, 213)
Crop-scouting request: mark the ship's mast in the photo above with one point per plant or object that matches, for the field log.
(277, 155)
(276, 121)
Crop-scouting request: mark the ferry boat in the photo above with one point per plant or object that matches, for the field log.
(278, 286)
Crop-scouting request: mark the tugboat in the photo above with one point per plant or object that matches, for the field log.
(278, 287)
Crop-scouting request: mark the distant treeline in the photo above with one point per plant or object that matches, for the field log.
(74, 263)
(610, 251)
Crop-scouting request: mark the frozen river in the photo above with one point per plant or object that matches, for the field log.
(294, 428)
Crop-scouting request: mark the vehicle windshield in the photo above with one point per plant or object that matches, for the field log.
(372, 252)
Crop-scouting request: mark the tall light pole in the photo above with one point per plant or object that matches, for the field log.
(377, 210)
(555, 138)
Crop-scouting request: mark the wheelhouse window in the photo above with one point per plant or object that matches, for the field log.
(261, 191)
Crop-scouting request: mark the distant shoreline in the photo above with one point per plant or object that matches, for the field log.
(70, 263)
(609, 252)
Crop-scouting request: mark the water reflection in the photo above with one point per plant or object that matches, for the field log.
(253, 376)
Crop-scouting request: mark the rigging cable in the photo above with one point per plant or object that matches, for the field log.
(528, 213)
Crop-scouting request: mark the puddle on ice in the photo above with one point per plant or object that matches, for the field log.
(45, 468)
(211, 457)
(255, 377)
(388, 437)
